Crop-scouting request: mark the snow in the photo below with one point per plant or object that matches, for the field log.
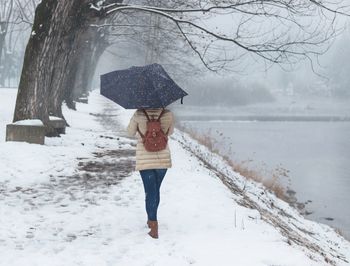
(7, 103)
(53, 212)
(98, 6)
(29, 122)
(55, 118)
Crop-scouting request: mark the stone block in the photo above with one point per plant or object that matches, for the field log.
(58, 125)
(82, 100)
(31, 131)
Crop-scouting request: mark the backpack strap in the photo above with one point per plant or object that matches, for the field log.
(158, 119)
(160, 115)
(138, 130)
(144, 111)
(163, 111)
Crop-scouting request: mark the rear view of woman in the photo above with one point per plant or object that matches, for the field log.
(151, 161)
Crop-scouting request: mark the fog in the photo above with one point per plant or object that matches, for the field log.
(247, 80)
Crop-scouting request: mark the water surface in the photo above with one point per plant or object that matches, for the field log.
(316, 153)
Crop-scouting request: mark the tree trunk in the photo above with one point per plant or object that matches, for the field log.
(49, 57)
(93, 45)
(2, 44)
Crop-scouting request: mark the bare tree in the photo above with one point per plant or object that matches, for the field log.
(153, 38)
(92, 45)
(277, 31)
(25, 10)
(16, 19)
(6, 9)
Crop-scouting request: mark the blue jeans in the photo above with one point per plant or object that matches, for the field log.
(152, 179)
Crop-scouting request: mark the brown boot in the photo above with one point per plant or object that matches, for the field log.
(148, 224)
(154, 228)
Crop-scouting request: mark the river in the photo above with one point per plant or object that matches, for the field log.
(317, 154)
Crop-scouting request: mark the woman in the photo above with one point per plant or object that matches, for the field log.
(152, 165)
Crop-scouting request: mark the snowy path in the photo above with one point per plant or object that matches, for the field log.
(80, 205)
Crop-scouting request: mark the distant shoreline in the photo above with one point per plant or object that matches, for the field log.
(264, 118)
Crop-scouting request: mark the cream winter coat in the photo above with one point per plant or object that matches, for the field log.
(146, 159)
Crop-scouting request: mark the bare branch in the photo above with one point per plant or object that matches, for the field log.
(271, 42)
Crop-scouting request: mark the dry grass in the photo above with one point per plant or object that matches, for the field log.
(271, 182)
(340, 232)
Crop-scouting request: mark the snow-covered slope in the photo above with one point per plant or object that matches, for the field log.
(74, 202)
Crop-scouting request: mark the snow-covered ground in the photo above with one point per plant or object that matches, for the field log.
(74, 201)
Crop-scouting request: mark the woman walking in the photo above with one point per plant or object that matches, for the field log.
(153, 156)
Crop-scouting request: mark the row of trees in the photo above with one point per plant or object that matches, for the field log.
(69, 36)
(148, 38)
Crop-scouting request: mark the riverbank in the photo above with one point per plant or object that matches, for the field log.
(307, 160)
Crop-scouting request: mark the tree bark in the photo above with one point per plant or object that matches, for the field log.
(50, 56)
(93, 45)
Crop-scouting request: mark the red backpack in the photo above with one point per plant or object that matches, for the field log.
(154, 139)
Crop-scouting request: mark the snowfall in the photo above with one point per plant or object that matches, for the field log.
(77, 201)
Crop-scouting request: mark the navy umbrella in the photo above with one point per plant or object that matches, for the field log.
(141, 87)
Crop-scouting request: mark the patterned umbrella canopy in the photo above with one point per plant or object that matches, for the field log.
(141, 87)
